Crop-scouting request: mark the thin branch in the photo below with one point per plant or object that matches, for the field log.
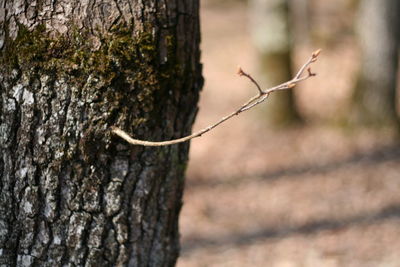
(252, 102)
(242, 73)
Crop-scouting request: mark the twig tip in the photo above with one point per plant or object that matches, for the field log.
(316, 53)
(240, 72)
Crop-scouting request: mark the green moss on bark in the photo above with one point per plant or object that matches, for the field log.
(119, 52)
(128, 62)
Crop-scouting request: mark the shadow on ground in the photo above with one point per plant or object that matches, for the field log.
(240, 239)
(376, 156)
(373, 157)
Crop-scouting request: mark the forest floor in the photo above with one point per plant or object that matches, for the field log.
(314, 195)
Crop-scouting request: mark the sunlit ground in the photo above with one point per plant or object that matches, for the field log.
(307, 196)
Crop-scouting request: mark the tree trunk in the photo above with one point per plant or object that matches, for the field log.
(272, 38)
(374, 99)
(71, 193)
(300, 22)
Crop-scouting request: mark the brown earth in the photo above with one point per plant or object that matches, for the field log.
(314, 195)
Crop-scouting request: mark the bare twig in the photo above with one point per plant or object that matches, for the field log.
(252, 102)
(242, 73)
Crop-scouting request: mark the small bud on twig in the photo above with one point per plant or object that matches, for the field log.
(315, 54)
(240, 71)
(311, 73)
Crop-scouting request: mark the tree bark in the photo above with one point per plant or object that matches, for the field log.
(273, 40)
(71, 193)
(375, 93)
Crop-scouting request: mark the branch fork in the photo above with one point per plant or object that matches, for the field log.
(303, 74)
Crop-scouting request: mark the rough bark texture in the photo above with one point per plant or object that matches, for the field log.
(70, 193)
(272, 37)
(379, 36)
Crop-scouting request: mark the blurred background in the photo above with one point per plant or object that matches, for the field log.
(312, 176)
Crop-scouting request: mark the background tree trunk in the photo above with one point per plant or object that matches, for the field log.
(72, 194)
(379, 34)
(272, 37)
(300, 23)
